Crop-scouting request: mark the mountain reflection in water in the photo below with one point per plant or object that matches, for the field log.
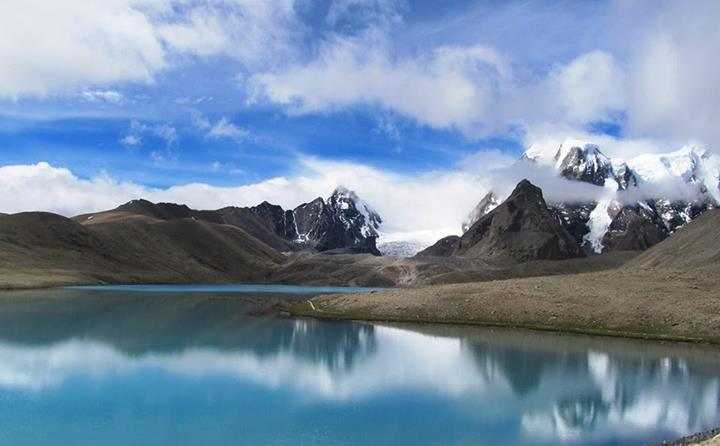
(81, 369)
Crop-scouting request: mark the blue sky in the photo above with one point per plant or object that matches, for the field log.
(151, 95)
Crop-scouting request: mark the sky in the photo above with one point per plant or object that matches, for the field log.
(410, 103)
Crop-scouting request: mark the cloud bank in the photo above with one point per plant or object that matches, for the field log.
(429, 205)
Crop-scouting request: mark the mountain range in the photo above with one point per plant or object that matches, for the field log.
(141, 241)
(631, 204)
(623, 206)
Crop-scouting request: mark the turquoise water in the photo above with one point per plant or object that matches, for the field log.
(78, 367)
(227, 288)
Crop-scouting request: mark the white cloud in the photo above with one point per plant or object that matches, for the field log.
(131, 140)
(674, 71)
(587, 89)
(654, 69)
(166, 132)
(60, 47)
(255, 32)
(449, 86)
(471, 88)
(223, 128)
(111, 96)
(55, 46)
(226, 129)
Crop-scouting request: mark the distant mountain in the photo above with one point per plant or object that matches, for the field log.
(342, 223)
(640, 203)
(520, 229)
(141, 241)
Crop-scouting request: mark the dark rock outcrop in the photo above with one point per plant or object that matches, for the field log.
(574, 218)
(634, 228)
(282, 222)
(520, 229)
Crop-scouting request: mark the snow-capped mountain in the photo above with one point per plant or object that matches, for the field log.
(343, 221)
(639, 201)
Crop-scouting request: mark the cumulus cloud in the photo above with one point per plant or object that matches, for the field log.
(74, 44)
(56, 46)
(589, 88)
(255, 32)
(471, 88)
(448, 86)
(655, 73)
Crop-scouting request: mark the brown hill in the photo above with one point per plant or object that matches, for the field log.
(696, 245)
(123, 246)
(243, 218)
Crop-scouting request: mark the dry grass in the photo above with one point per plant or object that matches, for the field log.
(646, 303)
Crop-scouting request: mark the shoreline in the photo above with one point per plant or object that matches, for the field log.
(648, 304)
(301, 310)
(707, 438)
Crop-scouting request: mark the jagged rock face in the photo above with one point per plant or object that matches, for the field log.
(281, 221)
(635, 228)
(342, 222)
(574, 218)
(306, 218)
(485, 205)
(444, 247)
(625, 177)
(522, 228)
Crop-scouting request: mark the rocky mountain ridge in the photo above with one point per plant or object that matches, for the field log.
(341, 223)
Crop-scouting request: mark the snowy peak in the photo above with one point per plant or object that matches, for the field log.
(639, 201)
(580, 161)
(552, 154)
(354, 212)
(586, 163)
(691, 164)
(342, 222)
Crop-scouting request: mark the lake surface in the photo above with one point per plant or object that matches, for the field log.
(89, 367)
